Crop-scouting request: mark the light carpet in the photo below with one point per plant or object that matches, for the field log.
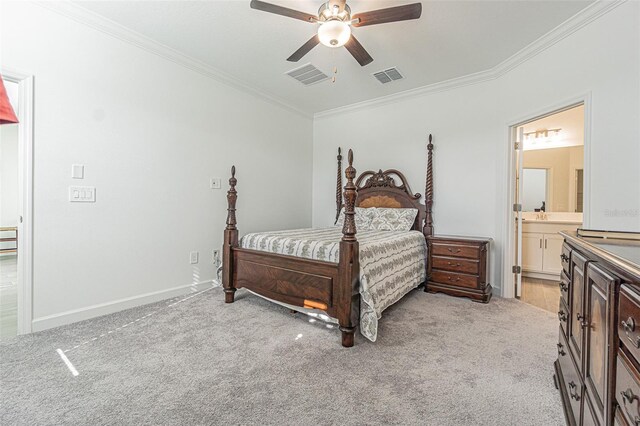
(438, 360)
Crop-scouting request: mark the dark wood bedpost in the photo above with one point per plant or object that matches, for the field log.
(349, 267)
(427, 230)
(230, 240)
(339, 187)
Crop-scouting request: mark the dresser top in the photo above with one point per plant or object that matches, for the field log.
(624, 253)
(462, 238)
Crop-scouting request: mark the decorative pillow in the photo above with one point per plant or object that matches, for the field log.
(363, 217)
(391, 219)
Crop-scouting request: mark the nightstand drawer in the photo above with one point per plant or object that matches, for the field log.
(455, 264)
(455, 250)
(454, 278)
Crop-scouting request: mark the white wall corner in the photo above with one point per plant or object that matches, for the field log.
(587, 15)
(100, 23)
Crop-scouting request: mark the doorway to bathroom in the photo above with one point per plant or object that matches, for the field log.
(549, 198)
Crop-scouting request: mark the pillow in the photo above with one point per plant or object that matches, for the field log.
(363, 217)
(390, 219)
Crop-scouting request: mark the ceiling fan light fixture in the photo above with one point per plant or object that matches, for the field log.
(334, 33)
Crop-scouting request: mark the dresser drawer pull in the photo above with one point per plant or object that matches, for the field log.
(562, 316)
(457, 265)
(452, 251)
(629, 325)
(451, 279)
(627, 398)
(563, 286)
(561, 350)
(564, 257)
(573, 391)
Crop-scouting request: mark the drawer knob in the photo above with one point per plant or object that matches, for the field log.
(563, 286)
(629, 325)
(564, 257)
(573, 391)
(627, 398)
(561, 351)
(453, 251)
(562, 316)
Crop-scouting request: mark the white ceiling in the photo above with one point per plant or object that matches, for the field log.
(451, 39)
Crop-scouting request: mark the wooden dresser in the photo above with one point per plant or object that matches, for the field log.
(459, 266)
(598, 365)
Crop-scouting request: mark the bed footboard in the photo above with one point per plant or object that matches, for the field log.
(331, 287)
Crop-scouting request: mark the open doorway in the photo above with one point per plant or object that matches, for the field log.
(16, 208)
(549, 194)
(9, 217)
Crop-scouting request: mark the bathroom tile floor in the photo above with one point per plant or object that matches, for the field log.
(544, 294)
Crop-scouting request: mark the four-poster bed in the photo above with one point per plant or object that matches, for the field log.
(282, 269)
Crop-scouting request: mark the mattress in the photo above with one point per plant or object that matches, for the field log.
(392, 263)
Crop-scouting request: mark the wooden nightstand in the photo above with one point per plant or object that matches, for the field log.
(459, 266)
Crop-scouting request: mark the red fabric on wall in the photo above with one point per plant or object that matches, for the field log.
(7, 116)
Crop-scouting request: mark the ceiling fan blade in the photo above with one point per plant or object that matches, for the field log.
(392, 14)
(357, 51)
(284, 11)
(304, 49)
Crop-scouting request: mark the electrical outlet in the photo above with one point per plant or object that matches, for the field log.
(216, 257)
(216, 183)
(193, 257)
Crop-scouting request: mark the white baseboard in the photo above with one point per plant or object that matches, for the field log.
(542, 275)
(75, 315)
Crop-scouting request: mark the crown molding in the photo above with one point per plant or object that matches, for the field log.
(587, 15)
(107, 26)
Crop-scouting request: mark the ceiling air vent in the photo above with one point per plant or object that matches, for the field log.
(387, 76)
(308, 75)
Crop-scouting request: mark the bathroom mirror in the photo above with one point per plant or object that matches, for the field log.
(555, 176)
(534, 189)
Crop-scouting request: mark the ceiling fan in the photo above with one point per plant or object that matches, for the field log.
(335, 20)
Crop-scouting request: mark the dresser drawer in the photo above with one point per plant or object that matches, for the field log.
(572, 384)
(564, 284)
(455, 250)
(629, 320)
(455, 264)
(627, 389)
(454, 278)
(563, 316)
(565, 258)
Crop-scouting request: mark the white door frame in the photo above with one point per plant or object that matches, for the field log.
(25, 196)
(508, 254)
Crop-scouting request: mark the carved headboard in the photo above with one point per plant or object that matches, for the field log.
(390, 189)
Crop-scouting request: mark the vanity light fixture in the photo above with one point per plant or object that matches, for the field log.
(543, 135)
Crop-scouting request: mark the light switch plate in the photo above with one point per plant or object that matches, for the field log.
(82, 194)
(216, 183)
(193, 257)
(77, 171)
